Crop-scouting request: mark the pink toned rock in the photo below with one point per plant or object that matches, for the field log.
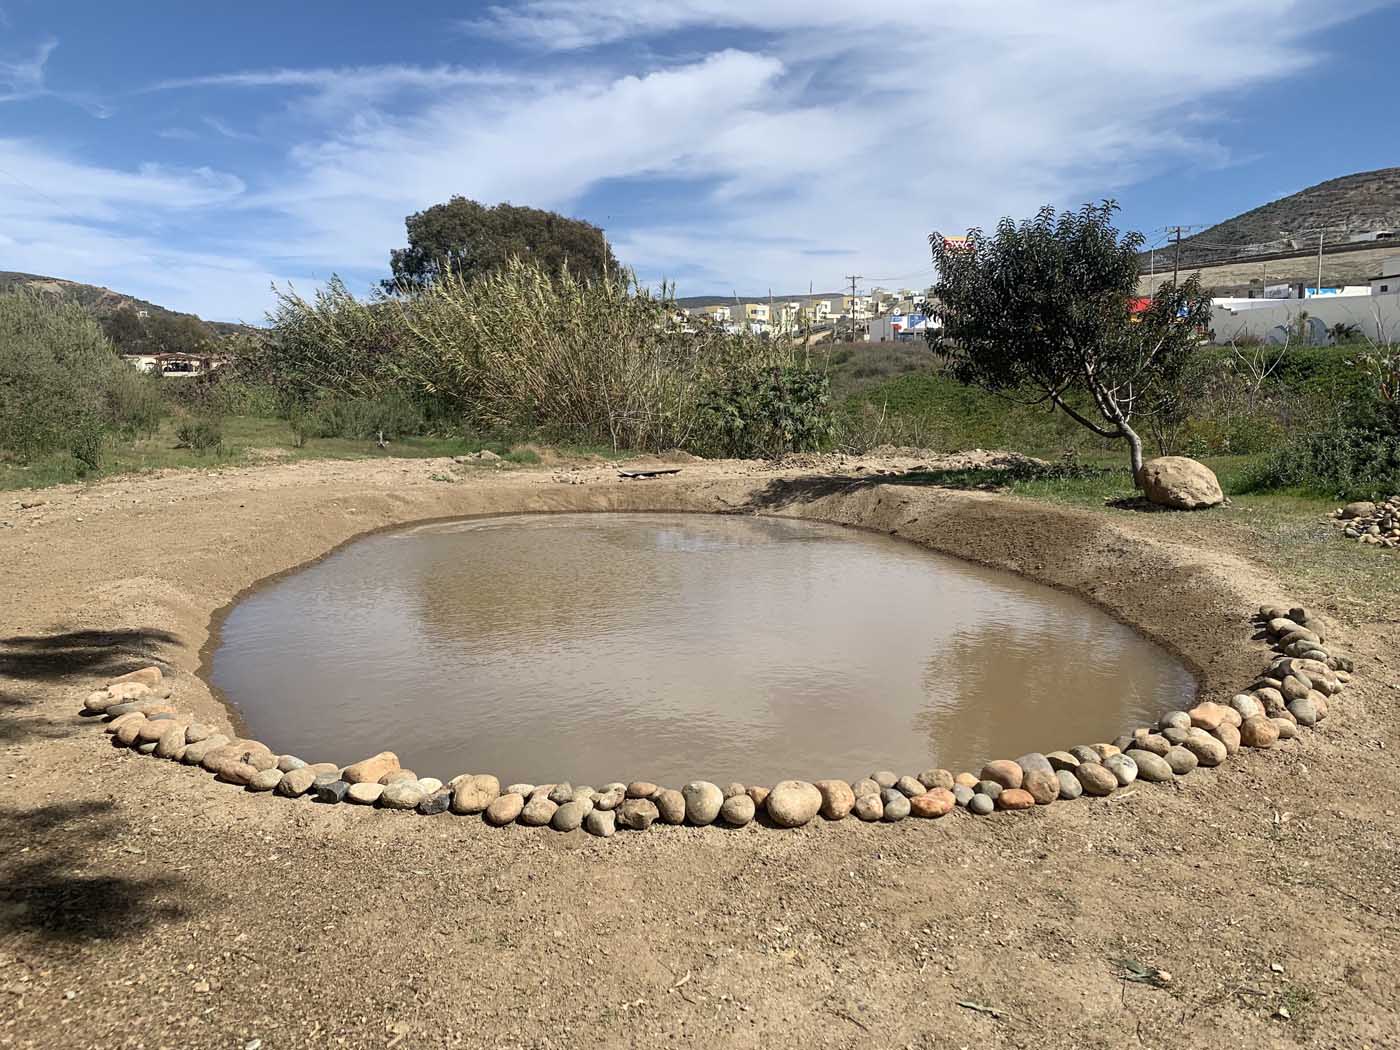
(1004, 772)
(936, 802)
(837, 799)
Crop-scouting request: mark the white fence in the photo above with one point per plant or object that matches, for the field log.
(1377, 317)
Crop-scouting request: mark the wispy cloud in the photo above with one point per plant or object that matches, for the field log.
(23, 78)
(228, 131)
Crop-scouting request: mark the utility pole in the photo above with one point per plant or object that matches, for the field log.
(1176, 259)
(1320, 235)
(853, 278)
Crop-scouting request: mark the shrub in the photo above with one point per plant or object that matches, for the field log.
(1348, 463)
(60, 378)
(201, 433)
(765, 413)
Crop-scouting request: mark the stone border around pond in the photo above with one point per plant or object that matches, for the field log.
(1293, 692)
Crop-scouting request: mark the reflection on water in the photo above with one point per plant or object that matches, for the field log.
(666, 647)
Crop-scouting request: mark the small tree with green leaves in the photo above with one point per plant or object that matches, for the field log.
(1041, 312)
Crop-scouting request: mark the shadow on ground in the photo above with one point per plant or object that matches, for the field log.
(30, 661)
(51, 881)
(45, 657)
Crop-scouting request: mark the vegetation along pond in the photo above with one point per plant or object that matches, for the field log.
(601, 647)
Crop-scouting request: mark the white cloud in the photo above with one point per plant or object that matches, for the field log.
(23, 78)
(823, 140)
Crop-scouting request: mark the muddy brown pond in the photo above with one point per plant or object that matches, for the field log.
(670, 647)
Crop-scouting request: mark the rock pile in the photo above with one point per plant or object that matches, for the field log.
(1296, 690)
(1375, 523)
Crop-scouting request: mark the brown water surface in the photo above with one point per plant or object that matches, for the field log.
(666, 647)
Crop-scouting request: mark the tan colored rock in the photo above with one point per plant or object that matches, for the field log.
(232, 771)
(129, 691)
(148, 676)
(967, 780)
(759, 794)
(153, 729)
(296, 782)
(265, 779)
(475, 793)
(395, 775)
(1207, 715)
(1181, 483)
(793, 803)
(370, 770)
(641, 789)
(170, 742)
(503, 809)
(1258, 732)
(1042, 786)
(837, 799)
(670, 805)
(123, 720)
(1229, 736)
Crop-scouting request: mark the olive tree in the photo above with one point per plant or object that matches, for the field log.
(1041, 312)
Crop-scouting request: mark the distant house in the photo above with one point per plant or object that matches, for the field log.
(1388, 280)
(176, 365)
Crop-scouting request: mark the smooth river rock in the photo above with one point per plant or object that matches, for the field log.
(636, 814)
(670, 806)
(896, 809)
(869, 808)
(501, 810)
(569, 816)
(474, 793)
(1070, 787)
(1096, 779)
(702, 802)
(1015, 799)
(371, 769)
(1151, 766)
(936, 778)
(1043, 785)
(1180, 760)
(793, 803)
(402, 794)
(859, 788)
(1004, 772)
(538, 812)
(265, 780)
(364, 794)
(1208, 750)
(909, 786)
(1259, 732)
(1061, 760)
(981, 805)
(1122, 767)
(936, 802)
(837, 798)
(295, 783)
(738, 810)
(600, 822)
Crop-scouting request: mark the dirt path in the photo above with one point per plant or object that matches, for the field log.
(142, 904)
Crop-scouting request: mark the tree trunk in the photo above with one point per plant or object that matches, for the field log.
(1134, 450)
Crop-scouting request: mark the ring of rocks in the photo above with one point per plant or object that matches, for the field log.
(1294, 692)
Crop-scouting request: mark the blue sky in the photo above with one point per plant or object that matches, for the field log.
(194, 158)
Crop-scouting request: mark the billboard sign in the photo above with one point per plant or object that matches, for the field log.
(1278, 291)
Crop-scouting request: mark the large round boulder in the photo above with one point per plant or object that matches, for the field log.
(793, 803)
(1180, 482)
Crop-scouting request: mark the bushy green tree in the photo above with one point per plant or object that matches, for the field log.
(1039, 311)
(62, 385)
(468, 239)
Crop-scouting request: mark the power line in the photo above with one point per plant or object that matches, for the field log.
(853, 278)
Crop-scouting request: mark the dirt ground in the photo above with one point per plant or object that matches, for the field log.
(142, 904)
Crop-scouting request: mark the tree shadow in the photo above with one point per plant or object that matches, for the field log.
(16, 726)
(51, 892)
(47, 657)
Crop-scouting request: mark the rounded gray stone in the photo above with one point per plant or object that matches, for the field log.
(1180, 760)
(990, 788)
(538, 812)
(569, 816)
(1122, 767)
(981, 805)
(884, 778)
(1151, 767)
(963, 794)
(909, 786)
(402, 794)
(896, 809)
(1070, 787)
(868, 808)
(1035, 761)
(702, 802)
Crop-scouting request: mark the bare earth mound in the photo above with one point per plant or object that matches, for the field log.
(144, 904)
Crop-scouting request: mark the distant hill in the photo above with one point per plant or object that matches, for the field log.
(1360, 203)
(102, 303)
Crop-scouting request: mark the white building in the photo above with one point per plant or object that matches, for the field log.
(1388, 280)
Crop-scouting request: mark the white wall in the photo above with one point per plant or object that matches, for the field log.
(1378, 316)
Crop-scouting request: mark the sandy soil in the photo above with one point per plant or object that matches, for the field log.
(144, 905)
